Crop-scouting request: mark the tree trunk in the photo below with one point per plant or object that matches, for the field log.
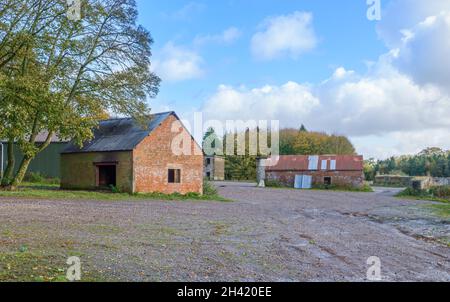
(7, 177)
(23, 168)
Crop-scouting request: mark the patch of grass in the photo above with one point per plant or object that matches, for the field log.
(441, 210)
(273, 184)
(219, 228)
(434, 194)
(52, 192)
(209, 189)
(35, 267)
(104, 229)
(276, 185)
(38, 178)
(364, 189)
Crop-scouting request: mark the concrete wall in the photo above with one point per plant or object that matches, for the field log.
(425, 183)
(339, 178)
(393, 181)
(153, 157)
(78, 171)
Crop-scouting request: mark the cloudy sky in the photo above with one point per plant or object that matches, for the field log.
(385, 84)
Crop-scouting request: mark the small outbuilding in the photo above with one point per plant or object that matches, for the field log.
(135, 158)
(214, 168)
(308, 171)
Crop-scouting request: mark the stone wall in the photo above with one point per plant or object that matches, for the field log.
(393, 181)
(424, 183)
(338, 178)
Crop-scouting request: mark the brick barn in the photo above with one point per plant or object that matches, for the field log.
(134, 159)
(338, 170)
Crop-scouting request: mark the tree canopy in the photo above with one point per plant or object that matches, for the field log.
(430, 162)
(61, 76)
(292, 142)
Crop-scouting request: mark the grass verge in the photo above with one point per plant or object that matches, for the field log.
(52, 191)
(35, 267)
(438, 194)
(365, 188)
(433, 194)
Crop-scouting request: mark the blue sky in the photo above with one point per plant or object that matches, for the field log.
(318, 62)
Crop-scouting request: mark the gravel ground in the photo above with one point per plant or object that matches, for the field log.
(265, 235)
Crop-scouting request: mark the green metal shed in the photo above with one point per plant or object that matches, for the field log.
(47, 163)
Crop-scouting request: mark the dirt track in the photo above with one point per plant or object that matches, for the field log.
(266, 235)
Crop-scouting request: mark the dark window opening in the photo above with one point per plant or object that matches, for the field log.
(106, 176)
(208, 175)
(208, 161)
(327, 181)
(174, 176)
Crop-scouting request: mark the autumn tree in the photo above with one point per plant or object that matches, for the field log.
(61, 76)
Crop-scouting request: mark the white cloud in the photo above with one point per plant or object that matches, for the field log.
(287, 35)
(402, 142)
(424, 51)
(405, 14)
(228, 36)
(374, 104)
(378, 103)
(399, 106)
(288, 102)
(175, 63)
(384, 104)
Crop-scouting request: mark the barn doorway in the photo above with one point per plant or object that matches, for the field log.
(106, 176)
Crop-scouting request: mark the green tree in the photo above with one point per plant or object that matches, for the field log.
(212, 144)
(61, 76)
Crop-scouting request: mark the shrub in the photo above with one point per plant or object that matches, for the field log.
(350, 188)
(209, 189)
(38, 178)
(275, 184)
(34, 177)
(114, 189)
(440, 192)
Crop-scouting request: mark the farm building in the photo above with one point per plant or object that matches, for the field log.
(308, 171)
(135, 159)
(214, 168)
(46, 163)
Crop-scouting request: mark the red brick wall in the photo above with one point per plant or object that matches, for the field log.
(153, 157)
(340, 178)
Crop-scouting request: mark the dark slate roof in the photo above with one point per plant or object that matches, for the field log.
(42, 137)
(119, 134)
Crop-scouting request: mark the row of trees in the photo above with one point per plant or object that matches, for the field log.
(303, 142)
(61, 76)
(292, 142)
(430, 162)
